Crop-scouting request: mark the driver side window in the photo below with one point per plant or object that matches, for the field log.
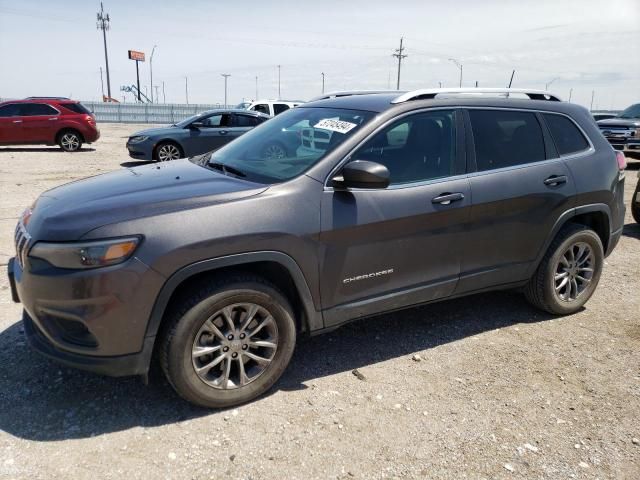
(217, 120)
(416, 148)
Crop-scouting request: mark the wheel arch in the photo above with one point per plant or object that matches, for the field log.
(60, 132)
(276, 267)
(596, 216)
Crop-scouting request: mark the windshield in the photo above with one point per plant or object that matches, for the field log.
(186, 121)
(632, 112)
(287, 145)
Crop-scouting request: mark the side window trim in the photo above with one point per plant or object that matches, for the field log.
(460, 152)
(550, 148)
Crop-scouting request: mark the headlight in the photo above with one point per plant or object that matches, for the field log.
(138, 139)
(81, 255)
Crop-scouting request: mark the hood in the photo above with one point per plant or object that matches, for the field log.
(150, 132)
(68, 212)
(619, 122)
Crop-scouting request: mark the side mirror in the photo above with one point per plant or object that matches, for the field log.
(362, 174)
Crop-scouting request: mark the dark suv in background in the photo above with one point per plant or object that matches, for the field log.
(213, 265)
(623, 131)
(47, 121)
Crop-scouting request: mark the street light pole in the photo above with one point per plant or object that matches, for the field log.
(546, 85)
(225, 75)
(279, 81)
(322, 82)
(256, 88)
(151, 72)
(459, 65)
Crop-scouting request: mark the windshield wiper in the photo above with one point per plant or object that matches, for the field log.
(226, 169)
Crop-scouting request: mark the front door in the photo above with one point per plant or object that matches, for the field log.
(213, 131)
(399, 246)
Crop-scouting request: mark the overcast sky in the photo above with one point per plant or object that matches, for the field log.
(53, 47)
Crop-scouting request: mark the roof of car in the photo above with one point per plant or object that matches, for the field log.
(235, 110)
(380, 102)
(55, 100)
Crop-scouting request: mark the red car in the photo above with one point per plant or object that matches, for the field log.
(48, 121)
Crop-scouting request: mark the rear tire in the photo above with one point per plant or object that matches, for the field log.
(569, 272)
(228, 342)
(635, 205)
(70, 140)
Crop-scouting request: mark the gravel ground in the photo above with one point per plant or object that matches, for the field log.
(481, 387)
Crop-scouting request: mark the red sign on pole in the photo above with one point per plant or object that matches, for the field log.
(135, 55)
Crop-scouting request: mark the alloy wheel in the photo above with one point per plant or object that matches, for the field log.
(168, 152)
(235, 346)
(70, 142)
(574, 271)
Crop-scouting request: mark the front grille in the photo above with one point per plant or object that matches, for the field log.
(22, 241)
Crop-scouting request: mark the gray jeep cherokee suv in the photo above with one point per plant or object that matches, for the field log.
(214, 265)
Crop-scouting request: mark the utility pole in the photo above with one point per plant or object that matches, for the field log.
(101, 84)
(439, 84)
(476, 83)
(151, 72)
(593, 94)
(164, 99)
(570, 92)
(399, 56)
(459, 65)
(279, 81)
(157, 87)
(186, 88)
(103, 24)
(225, 75)
(256, 88)
(322, 81)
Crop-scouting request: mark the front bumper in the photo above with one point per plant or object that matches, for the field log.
(114, 366)
(141, 151)
(625, 146)
(87, 317)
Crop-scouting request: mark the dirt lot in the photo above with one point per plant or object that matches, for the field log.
(498, 389)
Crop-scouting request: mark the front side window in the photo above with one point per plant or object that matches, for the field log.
(34, 109)
(279, 108)
(216, 121)
(11, 110)
(287, 145)
(567, 137)
(505, 138)
(262, 108)
(417, 148)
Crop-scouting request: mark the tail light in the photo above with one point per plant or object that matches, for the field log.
(89, 119)
(622, 162)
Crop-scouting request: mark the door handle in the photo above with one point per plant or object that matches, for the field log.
(17, 121)
(223, 132)
(447, 198)
(54, 118)
(555, 180)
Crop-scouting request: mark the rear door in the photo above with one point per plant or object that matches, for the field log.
(39, 122)
(10, 124)
(399, 246)
(520, 188)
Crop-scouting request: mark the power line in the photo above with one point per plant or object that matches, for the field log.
(399, 56)
(103, 24)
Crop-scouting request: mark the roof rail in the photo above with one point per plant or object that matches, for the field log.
(348, 93)
(427, 93)
(47, 98)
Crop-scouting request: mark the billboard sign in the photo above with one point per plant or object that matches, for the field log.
(135, 55)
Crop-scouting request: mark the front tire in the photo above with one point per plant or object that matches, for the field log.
(229, 342)
(167, 151)
(569, 272)
(70, 141)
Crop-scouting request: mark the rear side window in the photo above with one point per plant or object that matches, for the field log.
(77, 108)
(11, 110)
(279, 108)
(506, 138)
(567, 137)
(33, 109)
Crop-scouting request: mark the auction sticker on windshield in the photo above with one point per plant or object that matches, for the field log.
(339, 126)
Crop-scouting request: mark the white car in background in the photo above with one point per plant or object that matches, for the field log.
(273, 107)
